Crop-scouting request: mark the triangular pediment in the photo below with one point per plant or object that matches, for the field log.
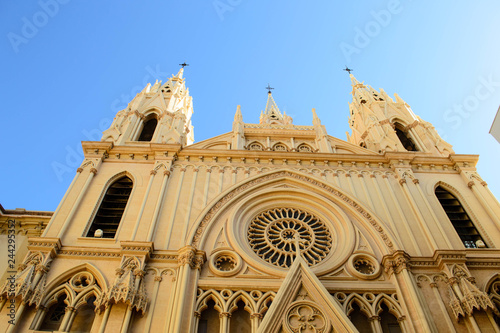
(219, 142)
(156, 102)
(303, 301)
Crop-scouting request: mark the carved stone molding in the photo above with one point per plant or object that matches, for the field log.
(341, 196)
(305, 316)
(190, 256)
(396, 262)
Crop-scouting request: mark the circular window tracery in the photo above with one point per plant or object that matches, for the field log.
(271, 236)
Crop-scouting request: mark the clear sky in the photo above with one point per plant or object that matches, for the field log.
(68, 66)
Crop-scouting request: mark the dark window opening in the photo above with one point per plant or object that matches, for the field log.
(405, 139)
(240, 320)
(388, 322)
(148, 130)
(459, 219)
(54, 316)
(359, 319)
(84, 319)
(111, 210)
(209, 321)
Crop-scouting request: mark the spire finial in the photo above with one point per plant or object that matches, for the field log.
(269, 88)
(297, 241)
(348, 70)
(183, 64)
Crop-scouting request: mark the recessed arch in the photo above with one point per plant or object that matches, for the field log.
(280, 146)
(111, 206)
(460, 216)
(404, 136)
(380, 232)
(85, 267)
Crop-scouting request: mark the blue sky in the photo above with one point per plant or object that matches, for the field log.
(69, 66)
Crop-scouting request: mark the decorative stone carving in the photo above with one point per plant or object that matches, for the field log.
(465, 297)
(225, 263)
(271, 236)
(304, 316)
(303, 148)
(215, 208)
(128, 287)
(364, 266)
(30, 280)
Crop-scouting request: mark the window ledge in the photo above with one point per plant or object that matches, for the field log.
(94, 239)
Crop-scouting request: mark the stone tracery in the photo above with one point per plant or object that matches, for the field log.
(271, 236)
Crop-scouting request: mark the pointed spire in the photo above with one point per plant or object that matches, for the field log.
(316, 119)
(272, 110)
(237, 115)
(180, 74)
(355, 82)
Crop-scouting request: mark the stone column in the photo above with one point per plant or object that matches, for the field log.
(128, 316)
(255, 319)
(442, 307)
(397, 265)
(174, 207)
(153, 303)
(402, 216)
(78, 173)
(105, 318)
(207, 185)
(19, 313)
(434, 217)
(141, 211)
(484, 203)
(66, 322)
(421, 221)
(224, 322)
(159, 205)
(189, 204)
(92, 173)
(190, 261)
(375, 324)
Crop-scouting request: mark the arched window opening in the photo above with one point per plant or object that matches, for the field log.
(359, 319)
(240, 320)
(255, 146)
(405, 139)
(388, 322)
(459, 219)
(84, 318)
(266, 306)
(110, 212)
(209, 321)
(148, 130)
(54, 316)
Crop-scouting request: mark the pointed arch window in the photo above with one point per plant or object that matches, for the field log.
(54, 316)
(459, 218)
(405, 138)
(110, 211)
(148, 129)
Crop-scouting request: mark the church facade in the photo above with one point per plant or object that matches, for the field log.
(271, 227)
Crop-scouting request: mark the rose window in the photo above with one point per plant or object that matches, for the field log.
(272, 236)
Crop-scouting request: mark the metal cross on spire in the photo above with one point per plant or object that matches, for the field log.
(269, 88)
(183, 64)
(348, 70)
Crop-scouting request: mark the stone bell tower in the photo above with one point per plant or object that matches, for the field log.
(380, 123)
(166, 106)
